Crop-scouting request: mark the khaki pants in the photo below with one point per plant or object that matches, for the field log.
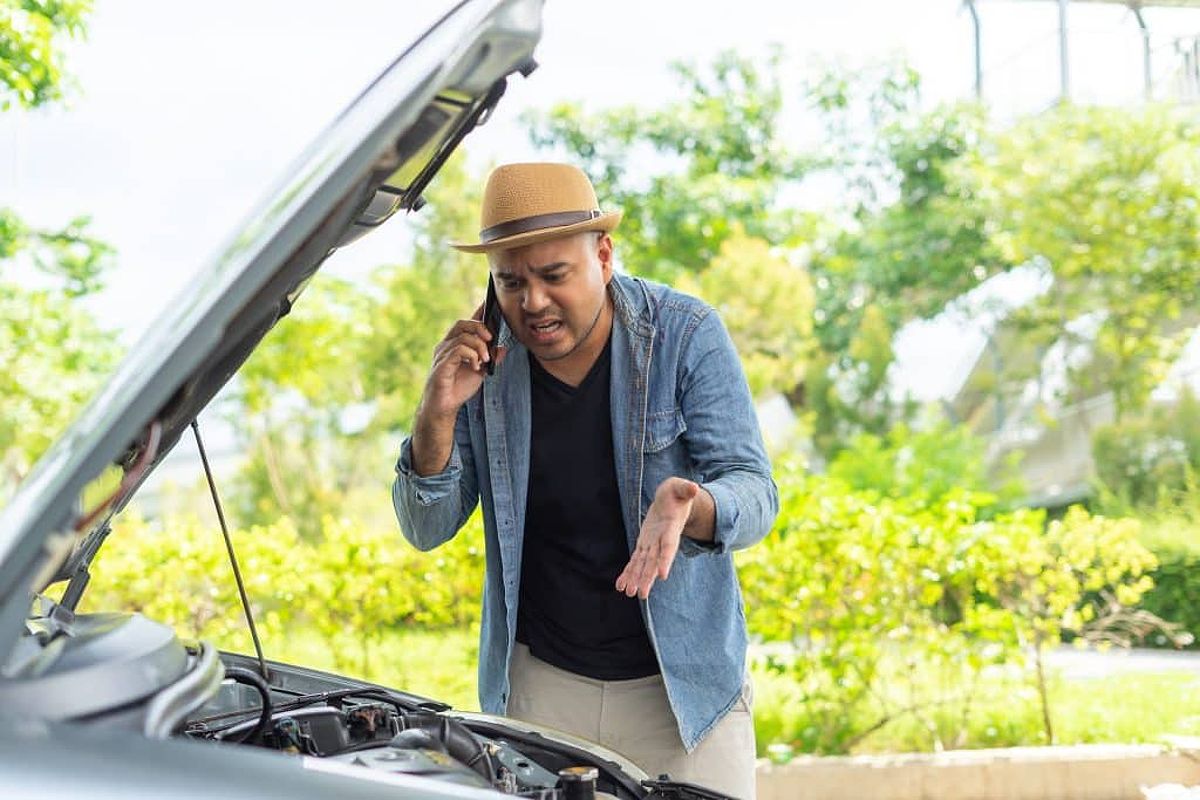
(634, 718)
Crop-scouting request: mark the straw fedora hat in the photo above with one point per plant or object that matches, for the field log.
(528, 203)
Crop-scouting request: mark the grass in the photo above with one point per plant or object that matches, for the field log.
(1004, 712)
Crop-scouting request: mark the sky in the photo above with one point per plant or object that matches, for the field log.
(183, 115)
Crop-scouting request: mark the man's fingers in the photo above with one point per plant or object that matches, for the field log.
(633, 576)
(664, 567)
(468, 340)
(647, 563)
(469, 326)
(646, 569)
(622, 578)
(627, 580)
(461, 355)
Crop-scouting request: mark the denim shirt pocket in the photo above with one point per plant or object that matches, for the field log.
(663, 454)
(663, 428)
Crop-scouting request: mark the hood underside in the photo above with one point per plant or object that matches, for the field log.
(375, 159)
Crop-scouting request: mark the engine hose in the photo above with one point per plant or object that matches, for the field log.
(460, 743)
(245, 676)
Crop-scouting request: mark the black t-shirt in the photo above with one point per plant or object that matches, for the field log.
(570, 613)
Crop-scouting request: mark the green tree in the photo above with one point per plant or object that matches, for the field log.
(54, 354)
(912, 237)
(907, 235)
(1108, 200)
(53, 350)
(766, 303)
(691, 173)
(30, 60)
(927, 464)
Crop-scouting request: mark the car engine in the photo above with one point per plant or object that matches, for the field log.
(379, 730)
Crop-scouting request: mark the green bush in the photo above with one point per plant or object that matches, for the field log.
(1170, 533)
(1175, 597)
(863, 594)
(351, 586)
(929, 463)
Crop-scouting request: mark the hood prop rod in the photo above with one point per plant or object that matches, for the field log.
(237, 573)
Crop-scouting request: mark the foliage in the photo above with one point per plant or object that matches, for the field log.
(919, 236)
(297, 394)
(1169, 532)
(689, 174)
(54, 355)
(54, 351)
(913, 241)
(1175, 596)
(702, 182)
(415, 304)
(930, 463)
(328, 389)
(1148, 459)
(30, 64)
(1109, 201)
(850, 580)
(350, 587)
(768, 314)
(1083, 575)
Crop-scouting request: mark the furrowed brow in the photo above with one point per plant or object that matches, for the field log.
(505, 273)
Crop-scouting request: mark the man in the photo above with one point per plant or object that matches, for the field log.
(618, 459)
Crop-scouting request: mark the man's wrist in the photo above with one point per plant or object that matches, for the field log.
(432, 443)
(701, 521)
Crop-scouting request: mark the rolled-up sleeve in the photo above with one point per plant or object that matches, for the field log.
(724, 442)
(431, 508)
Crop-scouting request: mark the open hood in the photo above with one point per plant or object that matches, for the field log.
(372, 161)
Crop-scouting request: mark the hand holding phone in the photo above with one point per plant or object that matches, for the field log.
(491, 321)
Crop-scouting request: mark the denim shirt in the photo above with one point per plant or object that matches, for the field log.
(680, 407)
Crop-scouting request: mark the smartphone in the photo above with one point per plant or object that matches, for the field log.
(491, 321)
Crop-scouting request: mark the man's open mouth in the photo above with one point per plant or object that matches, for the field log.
(544, 331)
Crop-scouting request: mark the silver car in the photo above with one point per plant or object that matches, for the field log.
(115, 704)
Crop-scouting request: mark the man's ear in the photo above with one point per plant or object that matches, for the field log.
(604, 252)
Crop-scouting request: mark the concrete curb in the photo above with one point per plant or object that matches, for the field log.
(1076, 772)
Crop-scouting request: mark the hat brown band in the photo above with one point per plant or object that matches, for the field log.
(536, 222)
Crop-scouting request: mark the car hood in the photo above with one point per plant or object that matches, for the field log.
(372, 161)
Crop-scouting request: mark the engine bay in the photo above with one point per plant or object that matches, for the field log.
(375, 728)
(372, 729)
(124, 672)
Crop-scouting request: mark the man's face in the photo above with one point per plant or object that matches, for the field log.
(553, 293)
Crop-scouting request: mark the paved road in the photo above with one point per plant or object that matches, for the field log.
(1073, 663)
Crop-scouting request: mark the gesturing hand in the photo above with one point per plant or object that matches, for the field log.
(658, 540)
